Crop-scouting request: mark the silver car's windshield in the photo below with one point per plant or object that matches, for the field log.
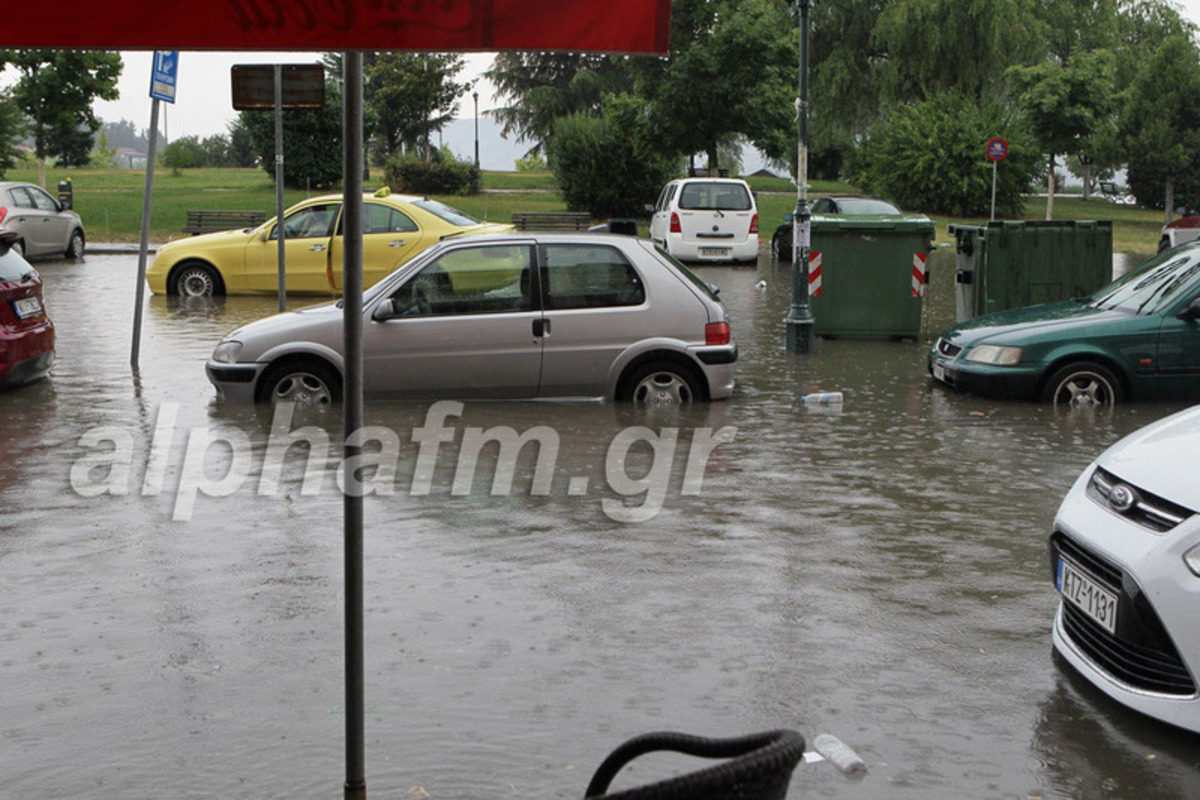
(1153, 286)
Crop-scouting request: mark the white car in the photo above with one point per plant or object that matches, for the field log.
(1125, 553)
(1179, 231)
(707, 219)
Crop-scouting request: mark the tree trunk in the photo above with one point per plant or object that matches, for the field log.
(713, 169)
(1050, 191)
(42, 171)
(1087, 181)
(1168, 199)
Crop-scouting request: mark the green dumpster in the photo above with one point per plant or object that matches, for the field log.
(867, 275)
(1016, 263)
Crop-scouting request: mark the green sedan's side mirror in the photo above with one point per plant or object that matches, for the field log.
(1192, 311)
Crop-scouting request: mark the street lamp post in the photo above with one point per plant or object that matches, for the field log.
(799, 321)
(475, 97)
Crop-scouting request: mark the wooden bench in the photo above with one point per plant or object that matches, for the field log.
(213, 221)
(552, 220)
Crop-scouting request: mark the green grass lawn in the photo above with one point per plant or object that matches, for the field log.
(110, 201)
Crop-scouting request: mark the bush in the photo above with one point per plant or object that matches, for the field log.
(930, 155)
(531, 163)
(612, 165)
(443, 175)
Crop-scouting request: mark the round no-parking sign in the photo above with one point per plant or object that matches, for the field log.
(997, 149)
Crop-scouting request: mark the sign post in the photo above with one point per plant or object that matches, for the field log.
(162, 87)
(997, 151)
(278, 86)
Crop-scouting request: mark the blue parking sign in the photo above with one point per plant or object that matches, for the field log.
(162, 77)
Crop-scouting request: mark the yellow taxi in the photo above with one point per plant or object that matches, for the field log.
(395, 228)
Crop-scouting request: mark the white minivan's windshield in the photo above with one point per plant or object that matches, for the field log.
(1153, 286)
(714, 196)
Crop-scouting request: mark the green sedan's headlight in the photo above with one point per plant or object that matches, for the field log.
(995, 354)
(227, 352)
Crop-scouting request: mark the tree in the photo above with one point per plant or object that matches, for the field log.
(611, 165)
(312, 141)
(1067, 104)
(731, 73)
(12, 131)
(411, 96)
(1160, 123)
(930, 155)
(70, 144)
(546, 86)
(56, 88)
(241, 144)
(964, 46)
(183, 153)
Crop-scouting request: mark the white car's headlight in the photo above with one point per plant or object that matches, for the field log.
(995, 354)
(227, 352)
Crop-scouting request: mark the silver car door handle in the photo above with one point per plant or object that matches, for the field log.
(317, 248)
(397, 243)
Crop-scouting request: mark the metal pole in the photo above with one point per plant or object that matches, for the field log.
(993, 216)
(135, 349)
(282, 253)
(352, 316)
(800, 320)
(475, 96)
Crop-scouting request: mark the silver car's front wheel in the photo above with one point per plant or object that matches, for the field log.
(76, 245)
(661, 385)
(302, 383)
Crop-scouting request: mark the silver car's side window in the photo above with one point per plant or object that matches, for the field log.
(21, 197)
(44, 201)
(492, 279)
(589, 276)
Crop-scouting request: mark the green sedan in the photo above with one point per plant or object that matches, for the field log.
(1136, 339)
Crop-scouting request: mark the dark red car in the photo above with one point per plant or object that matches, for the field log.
(26, 333)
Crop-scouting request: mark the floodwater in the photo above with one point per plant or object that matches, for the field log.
(171, 627)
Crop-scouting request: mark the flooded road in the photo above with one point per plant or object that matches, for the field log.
(877, 571)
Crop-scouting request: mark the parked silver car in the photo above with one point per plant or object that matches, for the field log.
(503, 316)
(43, 226)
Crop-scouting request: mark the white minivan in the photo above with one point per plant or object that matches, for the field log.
(707, 219)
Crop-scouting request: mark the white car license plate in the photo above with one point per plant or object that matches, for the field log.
(715, 252)
(1084, 592)
(939, 372)
(27, 307)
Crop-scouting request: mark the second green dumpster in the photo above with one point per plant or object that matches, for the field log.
(867, 275)
(1016, 263)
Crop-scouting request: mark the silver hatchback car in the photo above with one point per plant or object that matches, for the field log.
(503, 316)
(43, 226)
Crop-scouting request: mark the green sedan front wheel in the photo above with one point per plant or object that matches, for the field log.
(1083, 384)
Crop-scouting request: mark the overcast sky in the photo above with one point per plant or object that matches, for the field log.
(203, 105)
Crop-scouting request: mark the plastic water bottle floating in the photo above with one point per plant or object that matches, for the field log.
(821, 398)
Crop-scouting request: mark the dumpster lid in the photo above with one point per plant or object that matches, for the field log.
(876, 222)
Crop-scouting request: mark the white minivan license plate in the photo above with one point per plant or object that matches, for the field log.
(27, 307)
(714, 252)
(1085, 593)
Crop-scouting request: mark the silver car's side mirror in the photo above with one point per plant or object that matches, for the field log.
(385, 310)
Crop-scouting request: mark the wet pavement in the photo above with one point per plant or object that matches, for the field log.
(877, 571)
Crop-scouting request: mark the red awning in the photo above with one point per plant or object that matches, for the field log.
(623, 26)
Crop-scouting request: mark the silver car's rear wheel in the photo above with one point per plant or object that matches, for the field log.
(661, 384)
(302, 383)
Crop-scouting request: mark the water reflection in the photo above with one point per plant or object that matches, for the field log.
(875, 569)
